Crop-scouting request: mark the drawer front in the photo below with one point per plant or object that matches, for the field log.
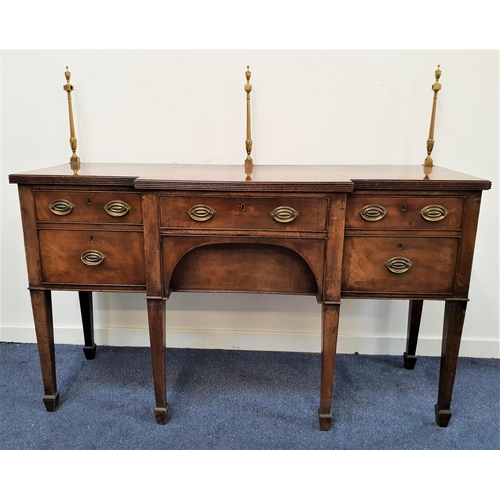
(102, 207)
(404, 212)
(276, 214)
(92, 257)
(399, 264)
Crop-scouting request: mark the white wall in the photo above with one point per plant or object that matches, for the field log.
(324, 106)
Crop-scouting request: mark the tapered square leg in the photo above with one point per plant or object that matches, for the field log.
(156, 318)
(41, 302)
(87, 312)
(454, 317)
(414, 317)
(329, 335)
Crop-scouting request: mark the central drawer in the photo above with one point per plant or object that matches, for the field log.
(276, 214)
(92, 257)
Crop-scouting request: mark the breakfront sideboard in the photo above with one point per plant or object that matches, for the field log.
(366, 232)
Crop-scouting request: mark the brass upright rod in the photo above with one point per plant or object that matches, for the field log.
(248, 142)
(436, 87)
(72, 140)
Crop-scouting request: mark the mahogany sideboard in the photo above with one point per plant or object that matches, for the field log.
(330, 231)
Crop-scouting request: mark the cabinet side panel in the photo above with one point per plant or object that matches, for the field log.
(466, 254)
(31, 245)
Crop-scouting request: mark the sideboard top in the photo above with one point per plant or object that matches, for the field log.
(299, 178)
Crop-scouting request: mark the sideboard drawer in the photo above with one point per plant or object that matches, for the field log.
(92, 257)
(104, 207)
(399, 264)
(404, 212)
(276, 214)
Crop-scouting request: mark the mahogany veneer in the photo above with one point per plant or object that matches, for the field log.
(327, 230)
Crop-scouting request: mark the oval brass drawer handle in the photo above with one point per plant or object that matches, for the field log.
(92, 257)
(284, 214)
(201, 213)
(372, 213)
(433, 213)
(61, 207)
(398, 265)
(117, 208)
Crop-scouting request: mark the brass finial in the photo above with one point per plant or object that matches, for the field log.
(248, 142)
(436, 87)
(72, 140)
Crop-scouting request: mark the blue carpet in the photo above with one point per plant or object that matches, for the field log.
(242, 400)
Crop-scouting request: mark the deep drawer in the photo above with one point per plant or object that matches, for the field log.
(92, 257)
(404, 212)
(102, 207)
(277, 214)
(399, 264)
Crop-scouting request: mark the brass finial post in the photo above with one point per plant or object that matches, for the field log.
(436, 87)
(248, 142)
(72, 140)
